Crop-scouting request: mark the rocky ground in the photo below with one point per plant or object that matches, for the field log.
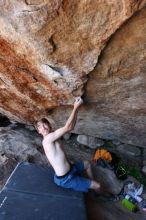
(101, 210)
(21, 143)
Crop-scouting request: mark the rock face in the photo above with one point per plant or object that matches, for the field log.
(144, 170)
(17, 144)
(119, 81)
(115, 91)
(6, 166)
(54, 50)
(108, 180)
(89, 141)
(129, 150)
(21, 144)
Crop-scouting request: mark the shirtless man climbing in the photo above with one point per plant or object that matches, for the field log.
(67, 175)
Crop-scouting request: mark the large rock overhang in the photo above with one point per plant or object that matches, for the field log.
(53, 51)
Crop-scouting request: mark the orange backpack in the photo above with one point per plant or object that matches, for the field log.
(102, 154)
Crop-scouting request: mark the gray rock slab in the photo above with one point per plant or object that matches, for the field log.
(90, 141)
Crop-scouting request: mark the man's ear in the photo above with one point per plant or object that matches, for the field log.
(46, 126)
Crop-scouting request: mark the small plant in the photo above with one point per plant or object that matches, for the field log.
(136, 173)
(123, 170)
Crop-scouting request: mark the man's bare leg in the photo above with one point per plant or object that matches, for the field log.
(88, 169)
(95, 186)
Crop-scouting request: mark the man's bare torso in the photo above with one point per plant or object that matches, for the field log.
(56, 156)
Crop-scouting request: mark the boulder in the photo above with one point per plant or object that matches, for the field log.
(108, 180)
(129, 150)
(144, 170)
(116, 142)
(21, 144)
(7, 164)
(89, 141)
(67, 136)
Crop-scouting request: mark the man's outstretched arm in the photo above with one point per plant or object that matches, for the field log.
(69, 124)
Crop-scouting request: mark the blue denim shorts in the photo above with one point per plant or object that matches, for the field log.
(73, 179)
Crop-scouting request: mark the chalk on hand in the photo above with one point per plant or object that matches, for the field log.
(79, 99)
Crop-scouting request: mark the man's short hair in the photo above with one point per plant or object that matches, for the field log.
(44, 121)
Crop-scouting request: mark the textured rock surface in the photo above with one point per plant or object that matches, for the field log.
(120, 84)
(67, 136)
(108, 180)
(112, 211)
(129, 150)
(48, 49)
(89, 141)
(144, 170)
(21, 144)
(115, 92)
(7, 164)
